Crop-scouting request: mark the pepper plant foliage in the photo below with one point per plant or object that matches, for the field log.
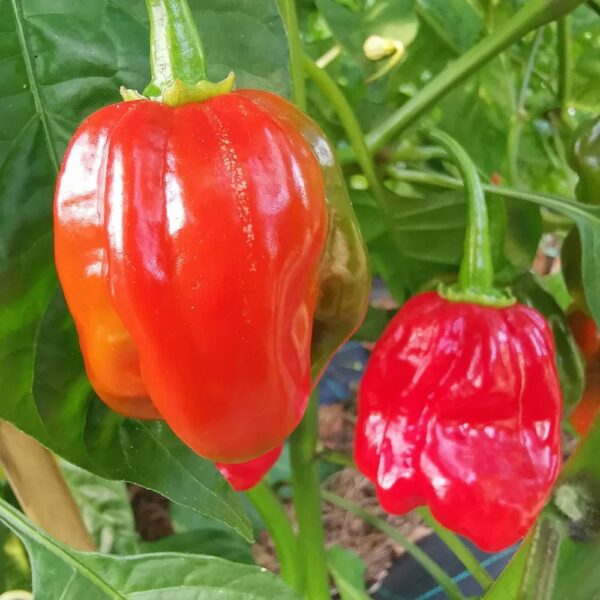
(513, 113)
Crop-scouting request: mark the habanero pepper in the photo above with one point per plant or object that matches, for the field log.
(459, 408)
(208, 252)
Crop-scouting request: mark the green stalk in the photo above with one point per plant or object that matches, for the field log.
(594, 6)
(520, 114)
(443, 579)
(565, 64)
(271, 511)
(176, 51)
(335, 457)
(466, 557)
(351, 125)
(290, 18)
(534, 14)
(538, 578)
(307, 503)
(476, 275)
(561, 204)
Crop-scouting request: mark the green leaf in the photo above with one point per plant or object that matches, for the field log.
(585, 94)
(210, 541)
(578, 555)
(430, 226)
(555, 284)
(348, 572)
(60, 61)
(529, 290)
(105, 508)
(59, 572)
(454, 21)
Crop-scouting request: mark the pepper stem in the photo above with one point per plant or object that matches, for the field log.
(476, 275)
(176, 51)
(176, 58)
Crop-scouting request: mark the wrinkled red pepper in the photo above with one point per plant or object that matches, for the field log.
(459, 409)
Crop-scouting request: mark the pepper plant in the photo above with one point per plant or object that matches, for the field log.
(211, 247)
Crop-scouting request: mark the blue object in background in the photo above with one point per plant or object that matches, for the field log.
(343, 373)
(407, 580)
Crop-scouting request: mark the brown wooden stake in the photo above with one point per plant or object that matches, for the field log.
(38, 484)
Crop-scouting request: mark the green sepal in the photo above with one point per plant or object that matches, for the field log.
(179, 93)
(495, 298)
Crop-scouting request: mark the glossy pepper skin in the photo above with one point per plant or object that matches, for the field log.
(195, 246)
(459, 409)
(584, 158)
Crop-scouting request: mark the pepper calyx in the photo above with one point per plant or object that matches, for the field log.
(493, 297)
(179, 93)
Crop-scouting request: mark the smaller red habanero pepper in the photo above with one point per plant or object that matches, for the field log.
(460, 404)
(208, 252)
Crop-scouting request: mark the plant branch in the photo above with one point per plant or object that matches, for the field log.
(519, 117)
(335, 457)
(565, 64)
(561, 204)
(41, 489)
(290, 18)
(307, 503)
(352, 127)
(534, 14)
(460, 550)
(443, 579)
(271, 511)
(593, 5)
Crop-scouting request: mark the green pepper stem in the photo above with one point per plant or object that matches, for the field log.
(565, 64)
(307, 503)
(176, 51)
(476, 269)
(278, 525)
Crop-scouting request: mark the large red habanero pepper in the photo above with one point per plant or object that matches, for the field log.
(208, 256)
(459, 407)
